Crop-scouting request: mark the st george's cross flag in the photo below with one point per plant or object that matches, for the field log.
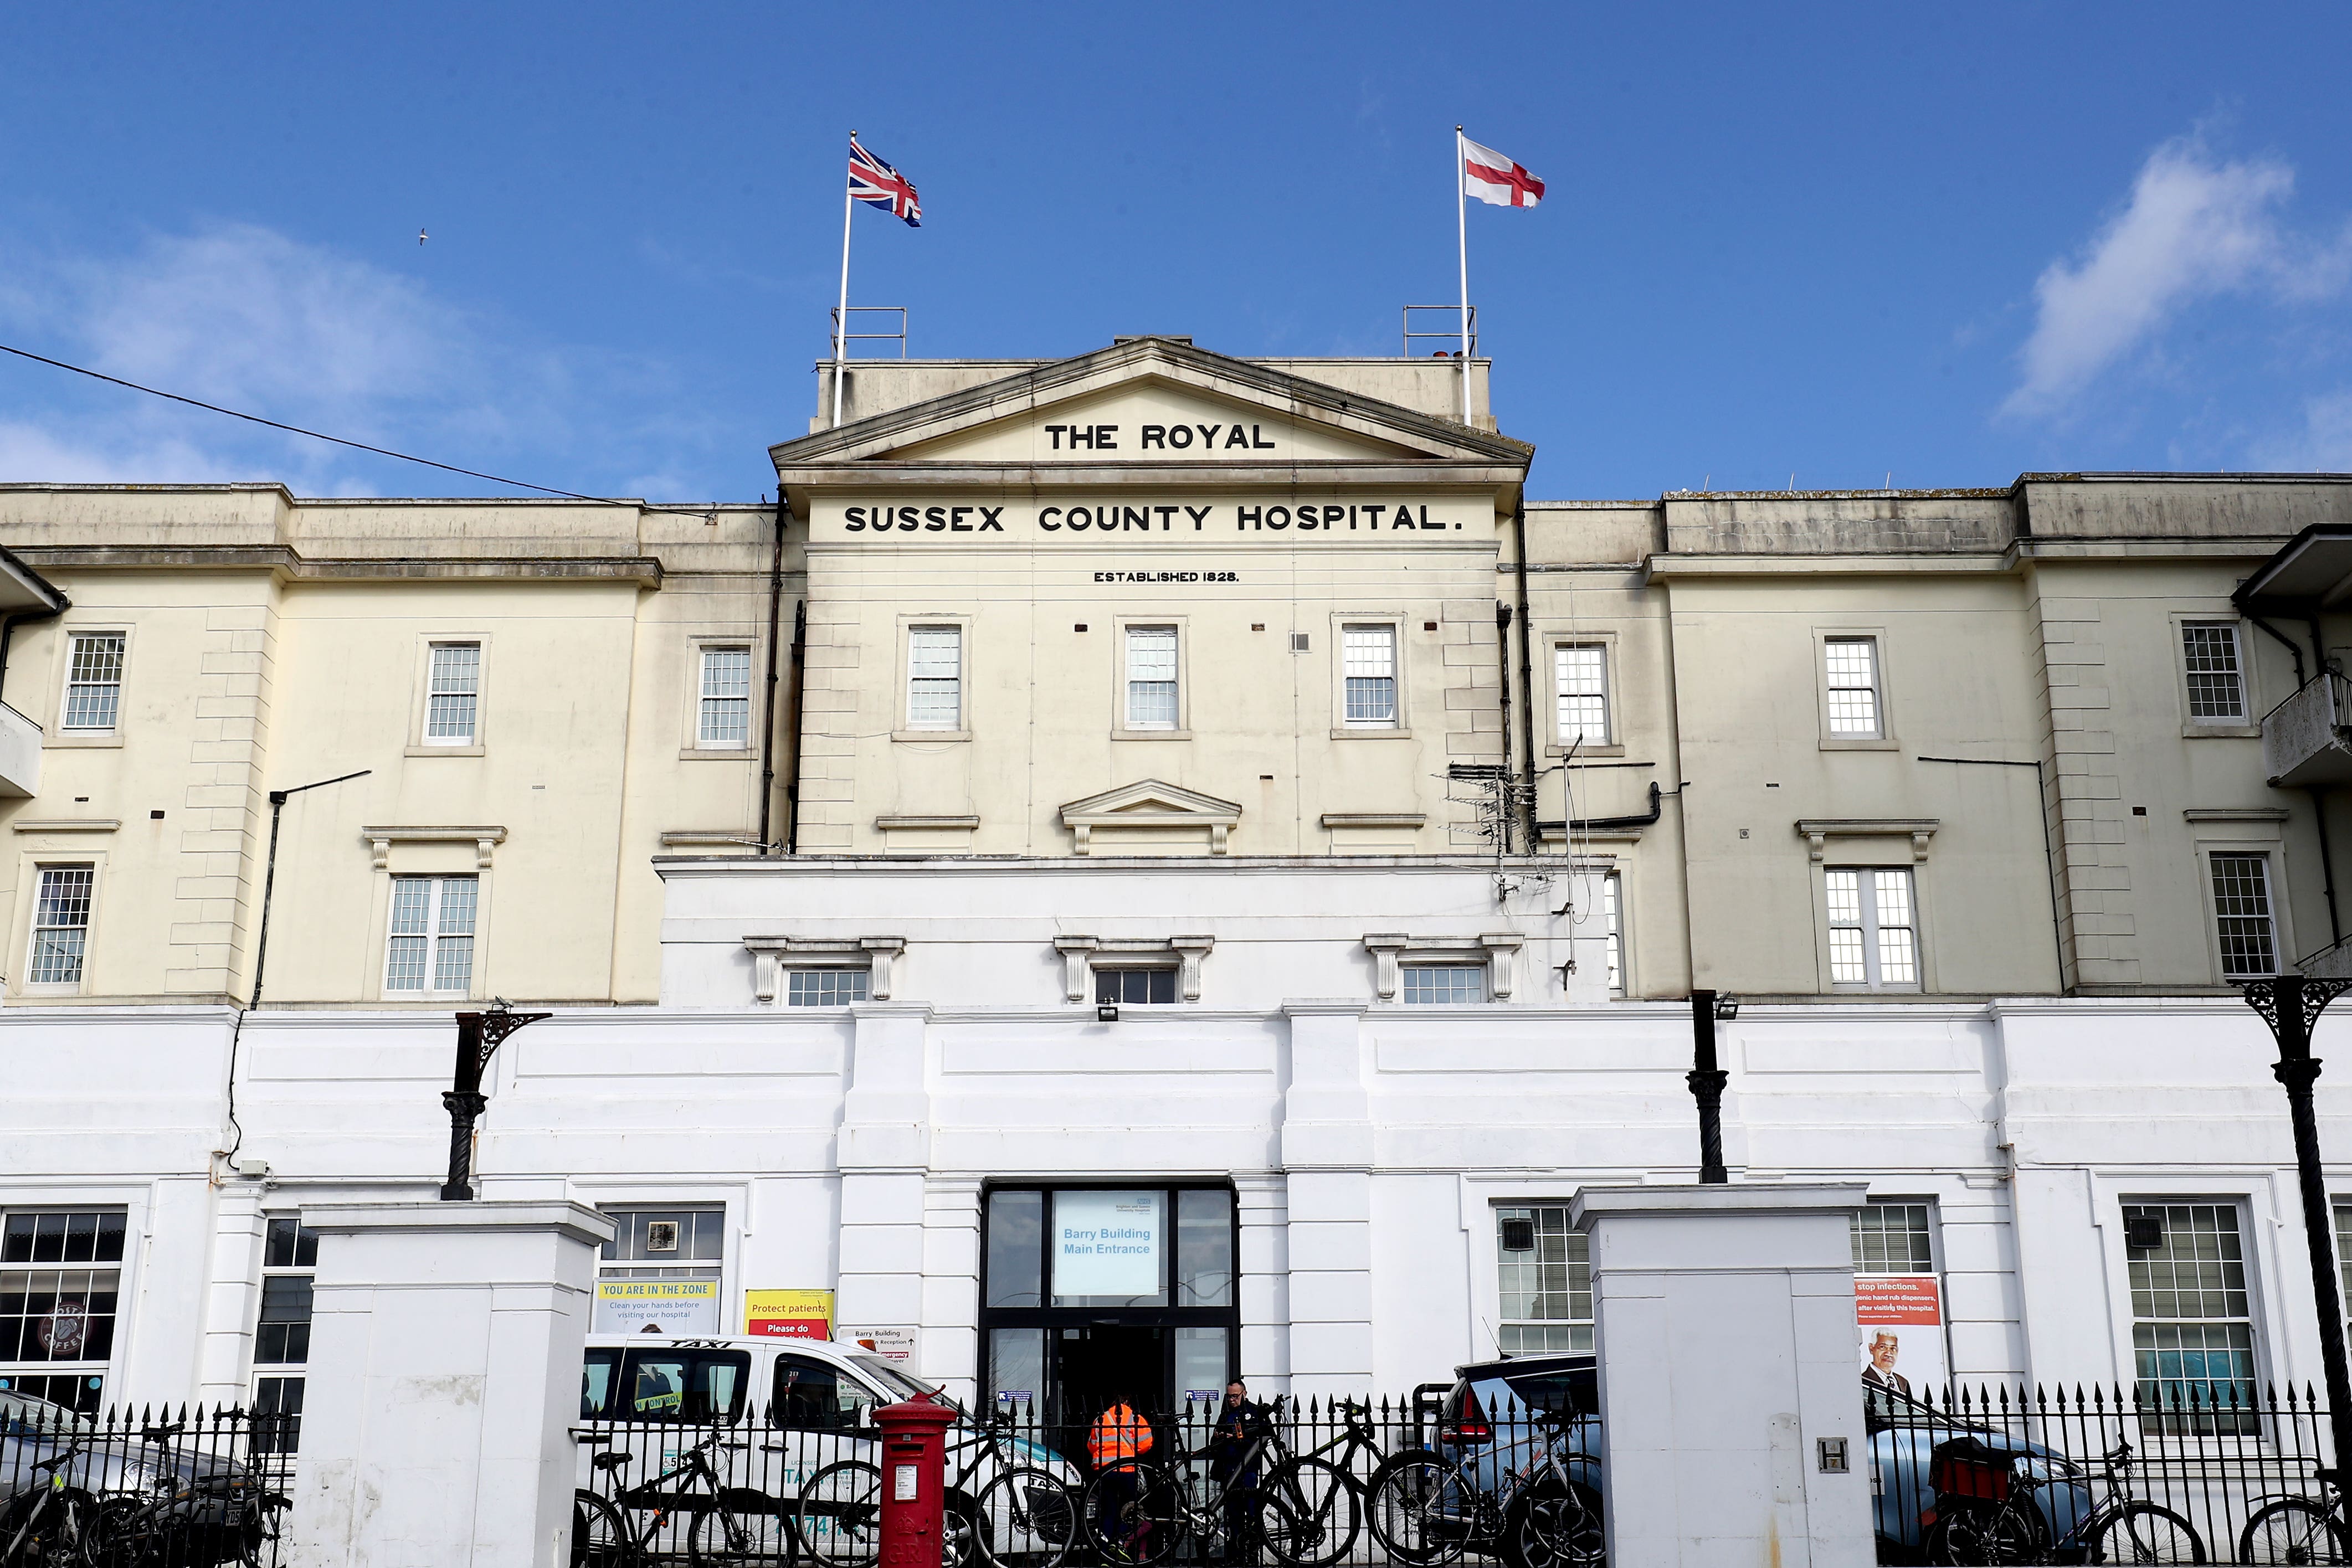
(1496, 179)
(872, 180)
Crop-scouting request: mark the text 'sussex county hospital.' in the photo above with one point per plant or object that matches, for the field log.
(1172, 861)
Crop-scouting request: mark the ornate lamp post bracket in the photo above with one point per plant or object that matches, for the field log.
(478, 1036)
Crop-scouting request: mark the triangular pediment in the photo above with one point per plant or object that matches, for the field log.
(1152, 798)
(1150, 401)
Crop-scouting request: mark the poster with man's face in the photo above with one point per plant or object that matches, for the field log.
(1899, 1322)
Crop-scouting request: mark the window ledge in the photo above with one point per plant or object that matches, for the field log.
(1370, 731)
(68, 825)
(2220, 732)
(64, 739)
(1555, 749)
(718, 754)
(1861, 743)
(445, 751)
(930, 735)
(1151, 734)
(380, 840)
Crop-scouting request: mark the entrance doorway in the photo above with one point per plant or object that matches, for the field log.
(1092, 1294)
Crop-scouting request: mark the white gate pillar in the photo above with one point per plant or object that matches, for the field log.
(445, 1370)
(1730, 1395)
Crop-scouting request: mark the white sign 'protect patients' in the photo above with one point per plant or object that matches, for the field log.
(1107, 1243)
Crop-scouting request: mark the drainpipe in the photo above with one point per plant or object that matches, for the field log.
(1527, 673)
(800, 681)
(2288, 644)
(768, 719)
(2327, 862)
(1503, 660)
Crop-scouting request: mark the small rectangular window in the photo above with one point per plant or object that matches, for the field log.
(1545, 1276)
(1582, 672)
(825, 987)
(2242, 911)
(724, 723)
(281, 1338)
(1851, 668)
(430, 945)
(2192, 1322)
(1438, 983)
(1893, 1239)
(1151, 677)
(1873, 936)
(935, 677)
(1612, 930)
(61, 924)
(1368, 666)
(2217, 690)
(1136, 986)
(452, 694)
(93, 682)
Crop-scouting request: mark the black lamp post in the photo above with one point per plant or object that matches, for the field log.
(1706, 1080)
(2291, 1004)
(479, 1035)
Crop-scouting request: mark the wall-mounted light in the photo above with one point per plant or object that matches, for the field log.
(1727, 1007)
(1107, 1013)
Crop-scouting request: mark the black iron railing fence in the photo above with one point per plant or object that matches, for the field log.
(145, 1488)
(2184, 1471)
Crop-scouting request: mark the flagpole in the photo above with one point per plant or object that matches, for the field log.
(841, 320)
(1462, 242)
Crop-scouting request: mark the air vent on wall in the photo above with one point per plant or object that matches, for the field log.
(1299, 642)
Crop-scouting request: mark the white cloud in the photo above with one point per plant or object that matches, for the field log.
(31, 452)
(2194, 228)
(2324, 445)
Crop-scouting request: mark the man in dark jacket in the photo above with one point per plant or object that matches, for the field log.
(1236, 1455)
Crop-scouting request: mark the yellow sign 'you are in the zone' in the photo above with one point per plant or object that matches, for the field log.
(788, 1315)
(667, 1306)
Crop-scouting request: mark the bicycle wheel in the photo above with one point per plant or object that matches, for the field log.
(1985, 1537)
(1134, 1515)
(745, 1528)
(2293, 1530)
(600, 1536)
(1025, 1519)
(113, 1538)
(1554, 1523)
(1421, 1512)
(67, 1534)
(1307, 1513)
(837, 1520)
(2143, 1532)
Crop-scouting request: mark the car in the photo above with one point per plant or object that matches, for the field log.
(801, 1404)
(188, 1508)
(1914, 1445)
(1499, 1417)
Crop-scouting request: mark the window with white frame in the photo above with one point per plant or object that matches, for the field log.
(825, 987)
(724, 720)
(1850, 669)
(1544, 1276)
(2192, 1318)
(1613, 929)
(2217, 686)
(2344, 1249)
(281, 1339)
(93, 704)
(935, 677)
(453, 690)
(1580, 672)
(430, 946)
(684, 1243)
(1874, 933)
(1437, 985)
(60, 924)
(1151, 677)
(60, 1290)
(1369, 672)
(1136, 985)
(1893, 1237)
(2241, 916)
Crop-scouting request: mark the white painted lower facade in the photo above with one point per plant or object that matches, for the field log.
(1367, 1142)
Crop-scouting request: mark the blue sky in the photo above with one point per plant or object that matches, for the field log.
(1944, 243)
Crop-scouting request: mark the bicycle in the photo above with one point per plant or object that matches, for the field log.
(183, 1521)
(48, 1524)
(2120, 1527)
(1139, 1513)
(728, 1525)
(839, 1516)
(1428, 1510)
(2298, 1529)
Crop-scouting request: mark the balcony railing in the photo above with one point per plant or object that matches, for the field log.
(2307, 739)
(20, 753)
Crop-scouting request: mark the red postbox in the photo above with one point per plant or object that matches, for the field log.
(914, 1482)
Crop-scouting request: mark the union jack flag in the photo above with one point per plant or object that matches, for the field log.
(872, 180)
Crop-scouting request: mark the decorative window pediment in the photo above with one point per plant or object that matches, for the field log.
(1151, 805)
(771, 955)
(1392, 951)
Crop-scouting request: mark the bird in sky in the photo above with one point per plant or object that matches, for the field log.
(421, 236)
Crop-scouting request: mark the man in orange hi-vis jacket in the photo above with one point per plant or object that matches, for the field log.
(1118, 1437)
